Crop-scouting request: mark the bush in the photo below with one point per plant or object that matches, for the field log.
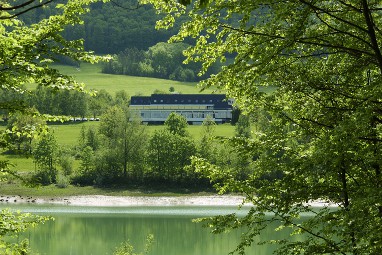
(66, 163)
(182, 74)
(62, 181)
(45, 177)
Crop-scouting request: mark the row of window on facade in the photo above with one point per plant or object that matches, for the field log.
(183, 101)
(188, 115)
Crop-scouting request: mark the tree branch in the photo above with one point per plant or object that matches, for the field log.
(316, 8)
(126, 8)
(371, 32)
(304, 40)
(342, 32)
(12, 8)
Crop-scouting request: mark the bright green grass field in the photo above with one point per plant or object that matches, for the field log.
(92, 77)
(68, 135)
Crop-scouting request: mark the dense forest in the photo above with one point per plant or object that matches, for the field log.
(127, 31)
(65, 103)
(163, 60)
(110, 28)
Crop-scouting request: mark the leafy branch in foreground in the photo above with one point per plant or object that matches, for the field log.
(11, 224)
(318, 137)
(14, 223)
(26, 54)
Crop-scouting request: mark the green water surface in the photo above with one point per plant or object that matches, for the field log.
(98, 230)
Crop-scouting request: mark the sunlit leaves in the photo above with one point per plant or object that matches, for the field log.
(318, 134)
(11, 225)
(26, 51)
(25, 55)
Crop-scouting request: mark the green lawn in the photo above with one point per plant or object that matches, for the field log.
(68, 134)
(20, 163)
(93, 78)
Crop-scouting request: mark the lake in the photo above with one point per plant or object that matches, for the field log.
(80, 230)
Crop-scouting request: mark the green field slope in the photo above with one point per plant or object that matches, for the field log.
(93, 78)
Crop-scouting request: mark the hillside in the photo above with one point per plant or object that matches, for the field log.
(93, 78)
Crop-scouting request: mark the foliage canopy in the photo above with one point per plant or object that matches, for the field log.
(320, 137)
(26, 52)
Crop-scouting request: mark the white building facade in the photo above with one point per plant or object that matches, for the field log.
(195, 108)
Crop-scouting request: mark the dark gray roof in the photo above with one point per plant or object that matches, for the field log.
(218, 100)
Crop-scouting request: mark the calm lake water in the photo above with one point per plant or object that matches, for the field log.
(98, 230)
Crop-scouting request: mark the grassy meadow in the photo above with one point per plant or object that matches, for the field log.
(92, 77)
(68, 134)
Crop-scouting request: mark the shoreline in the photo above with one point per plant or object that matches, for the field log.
(136, 201)
(126, 201)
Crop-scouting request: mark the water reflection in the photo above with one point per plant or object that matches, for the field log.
(98, 230)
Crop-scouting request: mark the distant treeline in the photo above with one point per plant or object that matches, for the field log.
(130, 34)
(109, 29)
(64, 102)
(162, 60)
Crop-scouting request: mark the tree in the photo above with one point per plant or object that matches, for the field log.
(165, 58)
(45, 155)
(126, 136)
(89, 137)
(322, 139)
(16, 223)
(22, 128)
(10, 101)
(243, 126)
(206, 144)
(29, 49)
(122, 99)
(86, 174)
(99, 103)
(66, 162)
(176, 124)
(26, 52)
(168, 154)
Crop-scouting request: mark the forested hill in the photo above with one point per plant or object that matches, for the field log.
(109, 28)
